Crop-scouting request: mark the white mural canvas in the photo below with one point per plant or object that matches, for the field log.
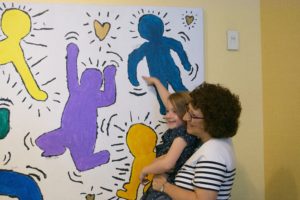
(74, 109)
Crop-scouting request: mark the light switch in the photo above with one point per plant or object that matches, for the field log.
(232, 40)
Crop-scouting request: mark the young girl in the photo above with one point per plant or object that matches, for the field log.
(177, 146)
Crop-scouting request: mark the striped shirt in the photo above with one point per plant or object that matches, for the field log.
(211, 167)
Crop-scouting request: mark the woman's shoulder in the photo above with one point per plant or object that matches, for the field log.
(216, 150)
(217, 146)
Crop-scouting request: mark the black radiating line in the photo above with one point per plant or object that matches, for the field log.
(25, 140)
(9, 156)
(183, 38)
(44, 174)
(101, 128)
(117, 144)
(31, 142)
(120, 179)
(106, 189)
(138, 94)
(14, 85)
(181, 32)
(120, 159)
(7, 100)
(130, 116)
(38, 61)
(43, 29)
(147, 116)
(158, 125)
(36, 176)
(119, 128)
(73, 179)
(191, 71)
(41, 13)
(76, 174)
(49, 81)
(108, 124)
(197, 68)
(115, 54)
(8, 79)
(122, 169)
(41, 45)
(72, 32)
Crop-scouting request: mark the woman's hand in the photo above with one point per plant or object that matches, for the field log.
(159, 181)
(143, 178)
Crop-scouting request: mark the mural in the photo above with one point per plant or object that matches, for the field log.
(77, 121)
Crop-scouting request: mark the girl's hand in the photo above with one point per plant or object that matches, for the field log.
(150, 80)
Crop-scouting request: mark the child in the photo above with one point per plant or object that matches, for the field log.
(177, 145)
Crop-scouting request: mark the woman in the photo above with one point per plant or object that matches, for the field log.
(212, 116)
(177, 145)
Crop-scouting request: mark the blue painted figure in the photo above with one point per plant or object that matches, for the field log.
(158, 55)
(21, 186)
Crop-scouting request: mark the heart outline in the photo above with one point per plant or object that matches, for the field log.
(189, 19)
(101, 30)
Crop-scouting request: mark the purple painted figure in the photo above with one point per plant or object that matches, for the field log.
(78, 131)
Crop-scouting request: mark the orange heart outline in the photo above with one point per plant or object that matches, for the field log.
(101, 30)
(189, 19)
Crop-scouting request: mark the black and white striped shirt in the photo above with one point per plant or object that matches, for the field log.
(211, 167)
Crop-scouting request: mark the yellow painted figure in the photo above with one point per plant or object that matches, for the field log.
(141, 141)
(16, 24)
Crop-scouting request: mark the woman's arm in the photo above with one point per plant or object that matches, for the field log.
(166, 162)
(177, 193)
(162, 91)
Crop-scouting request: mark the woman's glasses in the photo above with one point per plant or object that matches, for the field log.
(191, 115)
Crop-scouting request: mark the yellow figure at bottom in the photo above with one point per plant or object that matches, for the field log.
(15, 25)
(141, 141)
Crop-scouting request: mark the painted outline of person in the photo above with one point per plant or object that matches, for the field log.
(141, 141)
(21, 186)
(4, 122)
(158, 55)
(78, 131)
(16, 25)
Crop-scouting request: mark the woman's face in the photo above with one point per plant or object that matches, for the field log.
(173, 120)
(195, 121)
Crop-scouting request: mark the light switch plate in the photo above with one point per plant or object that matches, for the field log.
(232, 40)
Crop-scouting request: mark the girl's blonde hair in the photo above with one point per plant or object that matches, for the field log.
(180, 100)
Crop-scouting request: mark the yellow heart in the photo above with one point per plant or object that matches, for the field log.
(101, 30)
(90, 197)
(189, 19)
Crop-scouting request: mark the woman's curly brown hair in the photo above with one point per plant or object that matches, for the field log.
(221, 109)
